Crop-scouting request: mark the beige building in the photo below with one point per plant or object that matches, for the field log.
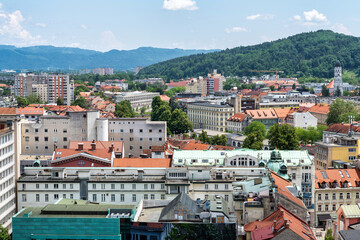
(209, 116)
(41, 90)
(333, 188)
(136, 133)
(197, 86)
(136, 99)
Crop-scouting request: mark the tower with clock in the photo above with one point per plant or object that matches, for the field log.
(338, 77)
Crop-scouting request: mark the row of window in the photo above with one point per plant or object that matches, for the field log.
(122, 186)
(55, 186)
(7, 195)
(6, 138)
(6, 150)
(7, 172)
(216, 186)
(46, 139)
(36, 130)
(334, 196)
(6, 184)
(327, 207)
(132, 130)
(6, 161)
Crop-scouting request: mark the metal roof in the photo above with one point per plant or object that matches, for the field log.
(351, 211)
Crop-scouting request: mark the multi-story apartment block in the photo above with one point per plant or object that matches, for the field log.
(214, 82)
(48, 87)
(334, 188)
(136, 133)
(209, 116)
(301, 120)
(238, 122)
(136, 99)
(40, 186)
(103, 71)
(198, 85)
(7, 175)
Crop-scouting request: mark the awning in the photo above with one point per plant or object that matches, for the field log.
(323, 217)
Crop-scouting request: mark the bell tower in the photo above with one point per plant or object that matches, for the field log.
(338, 78)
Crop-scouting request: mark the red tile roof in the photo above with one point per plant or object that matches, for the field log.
(196, 146)
(274, 224)
(322, 108)
(7, 111)
(340, 175)
(30, 111)
(64, 152)
(178, 84)
(330, 85)
(142, 162)
(164, 98)
(262, 114)
(238, 117)
(118, 145)
(282, 184)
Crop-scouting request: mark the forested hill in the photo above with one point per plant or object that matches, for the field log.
(302, 55)
(66, 58)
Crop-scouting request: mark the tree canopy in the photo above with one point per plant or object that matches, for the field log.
(60, 101)
(254, 141)
(340, 111)
(283, 137)
(82, 102)
(171, 92)
(124, 110)
(311, 134)
(4, 233)
(256, 126)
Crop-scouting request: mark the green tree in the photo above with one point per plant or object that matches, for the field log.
(60, 101)
(179, 123)
(203, 137)
(256, 126)
(337, 92)
(193, 135)
(123, 109)
(4, 233)
(80, 88)
(254, 141)
(272, 88)
(181, 231)
(283, 137)
(294, 86)
(328, 235)
(155, 105)
(170, 93)
(340, 111)
(22, 102)
(142, 111)
(33, 99)
(81, 102)
(325, 91)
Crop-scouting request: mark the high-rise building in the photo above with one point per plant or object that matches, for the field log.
(48, 87)
(214, 82)
(338, 83)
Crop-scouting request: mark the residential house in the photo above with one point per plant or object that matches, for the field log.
(238, 122)
(320, 111)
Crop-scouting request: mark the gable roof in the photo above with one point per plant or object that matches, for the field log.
(185, 201)
(238, 117)
(343, 128)
(340, 175)
(350, 211)
(274, 224)
(118, 145)
(331, 84)
(283, 190)
(320, 109)
(262, 114)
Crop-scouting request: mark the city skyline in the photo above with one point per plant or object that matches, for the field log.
(188, 24)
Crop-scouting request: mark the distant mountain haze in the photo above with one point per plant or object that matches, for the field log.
(311, 54)
(66, 58)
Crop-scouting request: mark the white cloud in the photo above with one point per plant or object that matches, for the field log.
(340, 28)
(11, 28)
(41, 25)
(314, 15)
(235, 29)
(175, 5)
(297, 17)
(83, 26)
(109, 41)
(260, 16)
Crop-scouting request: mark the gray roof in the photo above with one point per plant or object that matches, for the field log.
(349, 234)
(288, 234)
(185, 200)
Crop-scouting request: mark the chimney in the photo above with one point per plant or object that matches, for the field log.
(80, 146)
(111, 148)
(93, 145)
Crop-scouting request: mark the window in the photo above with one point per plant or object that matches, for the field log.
(334, 196)
(113, 197)
(56, 196)
(37, 186)
(112, 186)
(326, 207)
(319, 196)
(131, 139)
(348, 195)
(152, 186)
(46, 186)
(146, 197)
(46, 139)
(71, 196)
(141, 139)
(36, 130)
(26, 130)
(140, 130)
(206, 186)
(352, 157)
(162, 186)
(160, 139)
(103, 186)
(55, 130)
(46, 197)
(145, 186)
(131, 147)
(36, 139)
(152, 196)
(64, 195)
(160, 130)
(103, 197)
(122, 197)
(150, 130)
(94, 197)
(227, 198)
(334, 207)
(357, 195)
(24, 186)
(216, 186)
(326, 196)
(319, 208)
(122, 186)
(65, 139)
(352, 149)
(46, 147)
(162, 196)
(131, 130)
(150, 139)
(341, 196)
(226, 186)
(133, 186)
(56, 186)
(26, 139)
(94, 186)
(134, 197)
(64, 130)
(64, 186)
(46, 130)
(71, 186)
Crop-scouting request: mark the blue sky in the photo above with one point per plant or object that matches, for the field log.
(190, 24)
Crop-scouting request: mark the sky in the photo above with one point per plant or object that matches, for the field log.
(190, 24)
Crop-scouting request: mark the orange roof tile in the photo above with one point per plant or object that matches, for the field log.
(196, 146)
(118, 145)
(238, 117)
(7, 111)
(272, 225)
(330, 85)
(320, 108)
(64, 152)
(142, 162)
(262, 114)
(282, 184)
(178, 84)
(164, 98)
(340, 175)
(30, 111)
(282, 112)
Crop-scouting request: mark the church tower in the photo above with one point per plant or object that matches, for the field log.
(338, 78)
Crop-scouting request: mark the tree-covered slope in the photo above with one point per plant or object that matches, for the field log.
(44, 57)
(305, 54)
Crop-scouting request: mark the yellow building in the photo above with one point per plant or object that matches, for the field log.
(197, 86)
(344, 149)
